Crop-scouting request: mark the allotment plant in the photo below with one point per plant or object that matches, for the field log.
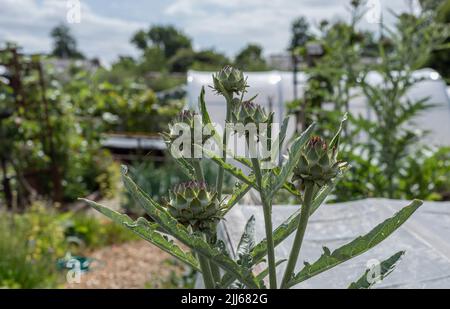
(193, 209)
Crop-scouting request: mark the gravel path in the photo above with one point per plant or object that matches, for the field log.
(130, 265)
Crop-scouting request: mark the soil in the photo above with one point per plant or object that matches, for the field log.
(131, 265)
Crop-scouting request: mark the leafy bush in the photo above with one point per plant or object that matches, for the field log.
(29, 246)
(425, 174)
(31, 243)
(53, 146)
(89, 232)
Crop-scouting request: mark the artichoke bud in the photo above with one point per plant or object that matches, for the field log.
(317, 163)
(229, 80)
(186, 120)
(250, 112)
(192, 204)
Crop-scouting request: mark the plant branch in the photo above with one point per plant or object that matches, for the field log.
(267, 209)
(295, 251)
(224, 145)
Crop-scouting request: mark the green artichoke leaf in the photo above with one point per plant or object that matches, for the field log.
(294, 156)
(236, 197)
(282, 134)
(247, 241)
(386, 267)
(356, 247)
(186, 168)
(336, 139)
(147, 231)
(236, 172)
(206, 119)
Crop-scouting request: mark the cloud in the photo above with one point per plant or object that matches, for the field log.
(230, 24)
(107, 25)
(29, 23)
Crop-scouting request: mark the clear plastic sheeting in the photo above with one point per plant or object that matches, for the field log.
(425, 237)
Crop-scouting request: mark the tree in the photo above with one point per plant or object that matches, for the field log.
(64, 44)
(250, 58)
(300, 33)
(207, 59)
(440, 59)
(167, 38)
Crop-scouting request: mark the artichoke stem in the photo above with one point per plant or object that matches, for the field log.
(229, 99)
(267, 209)
(206, 272)
(304, 216)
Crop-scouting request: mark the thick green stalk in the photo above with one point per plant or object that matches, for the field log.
(198, 170)
(206, 272)
(304, 216)
(267, 209)
(224, 145)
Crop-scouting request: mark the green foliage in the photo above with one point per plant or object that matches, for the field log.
(29, 246)
(31, 243)
(64, 44)
(440, 59)
(208, 254)
(250, 58)
(379, 148)
(89, 232)
(386, 267)
(299, 33)
(356, 247)
(157, 179)
(54, 148)
(167, 49)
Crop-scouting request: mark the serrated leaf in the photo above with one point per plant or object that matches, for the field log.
(335, 141)
(186, 168)
(247, 241)
(148, 232)
(236, 172)
(180, 232)
(386, 267)
(228, 279)
(357, 246)
(294, 156)
(237, 196)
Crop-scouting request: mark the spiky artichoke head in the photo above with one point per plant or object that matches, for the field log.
(229, 80)
(317, 164)
(192, 204)
(249, 112)
(186, 120)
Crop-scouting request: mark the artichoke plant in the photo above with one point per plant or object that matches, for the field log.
(192, 204)
(229, 81)
(193, 209)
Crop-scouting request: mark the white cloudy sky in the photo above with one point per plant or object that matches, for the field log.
(227, 25)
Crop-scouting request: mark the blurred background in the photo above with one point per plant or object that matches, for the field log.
(86, 86)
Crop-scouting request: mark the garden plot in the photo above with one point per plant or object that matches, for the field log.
(424, 237)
